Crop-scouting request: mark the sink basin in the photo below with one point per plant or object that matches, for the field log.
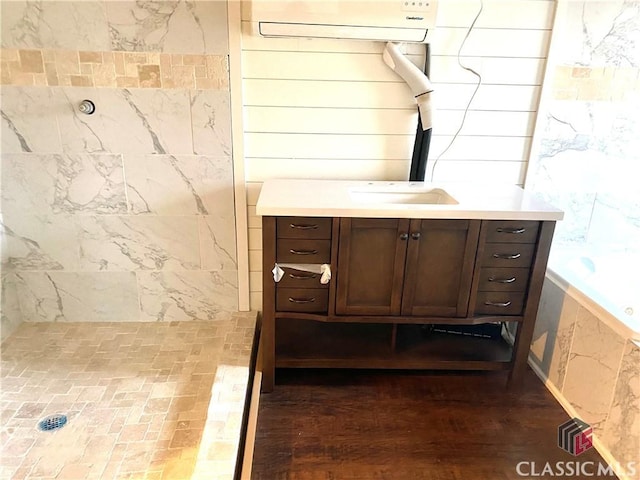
(433, 196)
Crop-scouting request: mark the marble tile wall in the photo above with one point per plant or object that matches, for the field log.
(596, 371)
(126, 214)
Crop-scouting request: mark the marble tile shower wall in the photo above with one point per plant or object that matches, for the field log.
(126, 214)
(595, 370)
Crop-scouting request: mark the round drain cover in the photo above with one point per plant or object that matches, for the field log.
(52, 422)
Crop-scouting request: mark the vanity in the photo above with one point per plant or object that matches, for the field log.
(418, 271)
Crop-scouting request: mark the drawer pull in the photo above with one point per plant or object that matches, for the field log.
(302, 300)
(497, 304)
(302, 277)
(416, 235)
(502, 280)
(303, 252)
(404, 236)
(507, 256)
(300, 226)
(511, 230)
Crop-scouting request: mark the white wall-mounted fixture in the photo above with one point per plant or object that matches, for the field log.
(380, 20)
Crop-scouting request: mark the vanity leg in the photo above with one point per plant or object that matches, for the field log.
(268, 353)
(268, 303)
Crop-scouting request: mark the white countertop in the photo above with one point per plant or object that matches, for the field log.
(336, 198)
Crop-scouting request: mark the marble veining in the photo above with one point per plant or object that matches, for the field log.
(179, 185)
(77, 297)
(37, 242)
(63, 183)
(217, 243)
(63, 24)
(602, 33)
(596, 349)
(553, 333)
(168, 26)
(210, 113)
(10, 315)
(622, 432)
(197, 295)
(28, 121)
(126, 121)
(138, 243)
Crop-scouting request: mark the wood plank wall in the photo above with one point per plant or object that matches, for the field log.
(332, 109)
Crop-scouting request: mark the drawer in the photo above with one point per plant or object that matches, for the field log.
(299, 279)
(303, 227)
(303, 251)
(507, 255)
(503, 279)
(302, 299)
(511, 231)
(499, 303)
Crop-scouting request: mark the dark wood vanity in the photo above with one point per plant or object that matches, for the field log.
(392, 278)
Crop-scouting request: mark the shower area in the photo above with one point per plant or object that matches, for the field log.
(119, 271)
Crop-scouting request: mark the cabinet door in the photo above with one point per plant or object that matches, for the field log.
(371, 256)
(439, 271)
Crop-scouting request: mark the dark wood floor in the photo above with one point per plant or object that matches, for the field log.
(346, 425)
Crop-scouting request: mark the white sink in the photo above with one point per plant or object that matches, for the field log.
(432, 196)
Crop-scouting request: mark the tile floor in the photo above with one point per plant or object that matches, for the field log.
(137, 396)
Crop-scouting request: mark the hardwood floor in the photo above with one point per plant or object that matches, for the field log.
(371, 425)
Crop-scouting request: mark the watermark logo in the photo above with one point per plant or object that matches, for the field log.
(575, 436)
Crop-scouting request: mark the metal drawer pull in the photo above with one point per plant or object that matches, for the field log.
(302, 277)
(303, 252)
(404, 236)
(511, 230)
(303, 227)
(507, 256)
(497, 304)
(416, 235)
(302, 300)
(502, 280)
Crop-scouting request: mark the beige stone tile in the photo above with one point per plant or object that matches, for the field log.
(131, 69)
(194, 60)
(31, 61)
(90, 57)
(127, 82)
(201, 71)
(149, 76)
(5, 74)
(67, 62)
(86, 69)
(104, 75)
(22, 79)
(183, 76)
(74, 472)
(176, 59)
(48, 55)
(132, 433)
(107, 57)
(135, 58)
(9, 55)
(118, 61)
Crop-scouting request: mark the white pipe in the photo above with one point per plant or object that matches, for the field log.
(418, 82)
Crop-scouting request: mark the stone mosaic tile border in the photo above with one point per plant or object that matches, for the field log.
(113, 69)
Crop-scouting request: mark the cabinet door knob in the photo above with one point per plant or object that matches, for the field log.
(416, 235)
(507, 256)
(497, 304)
(303, 252)
(404, 236)
(502, 280)
(302, 300)
(511, 230)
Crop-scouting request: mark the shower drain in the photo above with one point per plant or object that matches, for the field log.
(52, 422)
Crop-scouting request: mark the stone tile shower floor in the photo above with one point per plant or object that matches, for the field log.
(136, 395)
